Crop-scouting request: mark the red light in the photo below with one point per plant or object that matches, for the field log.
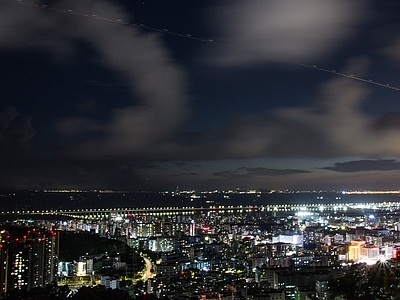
(205, 228)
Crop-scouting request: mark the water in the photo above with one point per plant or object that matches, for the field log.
(39, 200)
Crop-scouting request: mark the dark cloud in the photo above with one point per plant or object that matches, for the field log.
(334, 125)
(184, 163)
(32, 173)
(246, 172)
(388, 120)
(178, 163)
(86, 105)
(150, 130)
(190, 174)
(366, 166)
(392, 51)
(144, 133)
(141, 59)
(15, 130)
(147, 165)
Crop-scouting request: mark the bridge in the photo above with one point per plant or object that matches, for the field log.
(279, 209)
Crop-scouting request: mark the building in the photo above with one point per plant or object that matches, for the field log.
(312, 236)
(321, 289)
(110, 282)
(289, 238)
(355, 250)
(292, 292)
(29, 256)
(168, 269)
(370, 253)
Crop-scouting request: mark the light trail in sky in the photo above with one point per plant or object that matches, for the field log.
(189, 36)
(370, 81)
(119, 21)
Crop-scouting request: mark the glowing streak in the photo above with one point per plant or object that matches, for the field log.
(348, 76)
(189, 36)
(119, 21)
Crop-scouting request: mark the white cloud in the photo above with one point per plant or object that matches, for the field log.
(274, 30)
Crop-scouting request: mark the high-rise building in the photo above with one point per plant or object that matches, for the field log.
(29, 257)
(321, 289)
(192, 228)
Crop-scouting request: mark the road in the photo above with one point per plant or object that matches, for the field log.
(149, 265)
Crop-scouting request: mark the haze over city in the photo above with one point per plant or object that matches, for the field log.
(151, 95)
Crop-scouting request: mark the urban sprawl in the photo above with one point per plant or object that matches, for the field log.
(283, 251)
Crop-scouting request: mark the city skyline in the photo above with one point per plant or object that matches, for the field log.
(151, 95)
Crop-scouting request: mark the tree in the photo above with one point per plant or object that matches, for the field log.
(350, 285)
(100, 293)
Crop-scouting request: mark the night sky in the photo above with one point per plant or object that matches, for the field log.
(151, 95)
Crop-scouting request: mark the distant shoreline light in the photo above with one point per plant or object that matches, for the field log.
(350, 192)
(369, 192)
(253, 191)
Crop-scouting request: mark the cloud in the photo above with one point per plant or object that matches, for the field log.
(333, 126)
(392, 51)
(15, 130)
(258, 30)
(183, 164)
(22, 26)
(189, 174)
(178, 163)
(141, 59)
(111, 153)
(39, 173)
(388, 120)
(246, 172)
(365, 166)
(86, 105)
(154, 78)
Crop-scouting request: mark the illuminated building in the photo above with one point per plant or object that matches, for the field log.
(192, 228)
(355, 250)
(162, 244)
(293, 238)
(360, 252)
(292, 292)
(312, 236)
(369, 253)
(30, 258)
(81, 269)
(393, 253)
